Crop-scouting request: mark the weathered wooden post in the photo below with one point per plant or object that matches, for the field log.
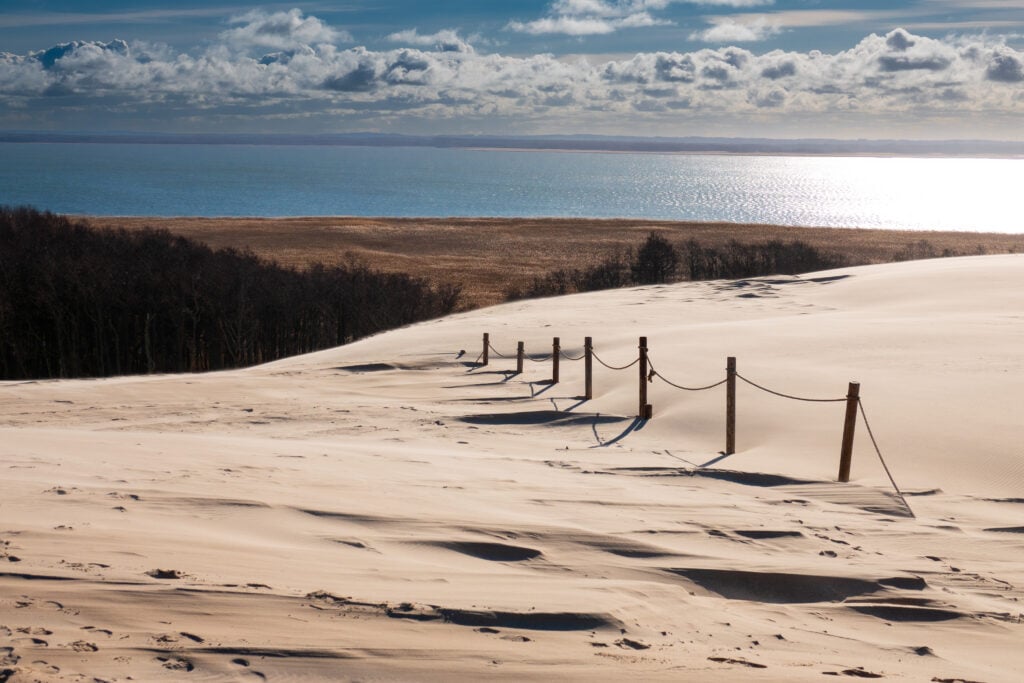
(487, 346)
(520, 352)
(588, 368)
(556, 351)
(645, 411)
(846, 454)
(730, 405)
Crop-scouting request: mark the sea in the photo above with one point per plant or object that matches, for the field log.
(968, 194)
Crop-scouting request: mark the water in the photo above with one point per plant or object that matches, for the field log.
(235, 180)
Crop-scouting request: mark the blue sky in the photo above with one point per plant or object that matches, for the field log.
(767, 68)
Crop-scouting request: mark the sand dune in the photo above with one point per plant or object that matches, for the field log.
(391, 511)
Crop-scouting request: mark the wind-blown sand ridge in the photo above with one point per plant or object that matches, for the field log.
(388, 509)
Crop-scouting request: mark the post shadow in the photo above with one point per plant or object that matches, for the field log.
(633, 426)
(535, 393)
(722, 455)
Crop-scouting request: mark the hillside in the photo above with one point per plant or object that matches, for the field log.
(391, 510)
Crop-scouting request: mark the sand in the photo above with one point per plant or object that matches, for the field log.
(389, 510)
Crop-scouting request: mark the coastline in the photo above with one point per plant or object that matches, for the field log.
(736, 153)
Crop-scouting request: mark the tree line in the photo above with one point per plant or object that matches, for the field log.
(77, 301)
(657, 260)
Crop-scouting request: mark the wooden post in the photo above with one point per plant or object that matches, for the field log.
(487, 346)
(645, 411)
(730, 405)
(556, 351)
(520, 352)
(846, 454)
(588, 367)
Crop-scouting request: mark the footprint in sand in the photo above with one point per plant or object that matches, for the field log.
(630, 644)
(739, 662)
(175, 663)
(32, 631)
(83, 646)
(104, 631)
(31, 641)
(48, 668)
(239, 661)
(166, 574)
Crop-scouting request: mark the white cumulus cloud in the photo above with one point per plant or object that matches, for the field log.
(445, 40)
(431, 80)
(730, 30)
(593, 17)
(281, 30)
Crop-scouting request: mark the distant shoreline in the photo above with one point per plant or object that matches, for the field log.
(698, 153)
(982, 149)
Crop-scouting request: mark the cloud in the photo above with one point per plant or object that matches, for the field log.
(424, 82)
(445, 40)
(730, 30)
(27, 19)
(75, 50)
(816, 18)
(593, 17)
(1005, 67)
(899, 40)
(781, 69)
(901, 63)
(570, 26)
(281, 30)
(733, 3)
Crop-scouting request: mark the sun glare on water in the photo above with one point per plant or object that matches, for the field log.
(937, 194)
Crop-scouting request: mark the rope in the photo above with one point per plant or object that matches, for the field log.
(795, 398)
(478, 358)
(545, 359)
(497, 353)
(612, 367)
(568, 357)
(874, 443)
(655, 373)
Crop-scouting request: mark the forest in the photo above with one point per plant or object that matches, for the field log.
(76, 301)
(657, 261)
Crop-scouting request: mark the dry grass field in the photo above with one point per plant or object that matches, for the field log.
(488, 255)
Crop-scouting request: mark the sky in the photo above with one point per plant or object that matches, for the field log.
(914, 69)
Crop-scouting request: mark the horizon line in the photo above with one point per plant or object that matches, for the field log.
(581, 142)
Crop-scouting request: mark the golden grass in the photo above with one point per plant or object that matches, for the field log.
(488, 255)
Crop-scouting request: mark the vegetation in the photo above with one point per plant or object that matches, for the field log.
(77, 301)
(658, 261)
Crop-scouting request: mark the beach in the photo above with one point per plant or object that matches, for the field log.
(394, 510)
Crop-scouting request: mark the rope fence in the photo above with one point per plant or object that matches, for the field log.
(647, 374)
(616, 367)
(654, 373)
(874, 443)
(789, 396)
(496, 352)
